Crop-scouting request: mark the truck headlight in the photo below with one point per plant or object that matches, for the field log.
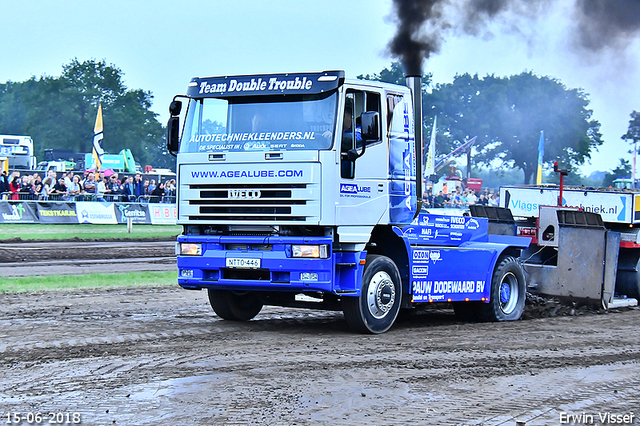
(191, 249)
(320, 251)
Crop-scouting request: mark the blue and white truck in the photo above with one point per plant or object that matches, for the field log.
(300, 190)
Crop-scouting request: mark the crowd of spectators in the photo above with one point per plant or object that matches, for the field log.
(72, 186)
(461, 198)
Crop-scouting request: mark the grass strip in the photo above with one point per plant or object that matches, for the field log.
(87, 281)
(33, 231)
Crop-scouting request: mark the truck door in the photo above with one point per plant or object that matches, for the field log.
(361, 198)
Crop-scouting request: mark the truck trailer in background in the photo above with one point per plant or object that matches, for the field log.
(19, 151)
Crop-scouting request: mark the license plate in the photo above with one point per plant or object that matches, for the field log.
(239, 262)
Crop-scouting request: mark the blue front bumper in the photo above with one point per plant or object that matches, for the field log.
(339, 273)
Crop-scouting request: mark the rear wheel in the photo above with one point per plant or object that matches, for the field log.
(508, 292)
(379, 303)
(235, 306)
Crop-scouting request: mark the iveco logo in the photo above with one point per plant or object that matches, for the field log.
(243, 193)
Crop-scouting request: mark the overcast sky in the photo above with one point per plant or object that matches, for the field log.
(159, 45)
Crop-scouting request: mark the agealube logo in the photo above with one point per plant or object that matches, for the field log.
(353, 190)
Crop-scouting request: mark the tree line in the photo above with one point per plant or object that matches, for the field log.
(507, 114)
(60, 112)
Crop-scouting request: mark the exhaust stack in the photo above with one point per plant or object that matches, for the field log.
(415, 84)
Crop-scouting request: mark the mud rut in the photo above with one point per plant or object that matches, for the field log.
(160, 356)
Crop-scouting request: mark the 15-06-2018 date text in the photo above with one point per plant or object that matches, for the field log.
(50, 418)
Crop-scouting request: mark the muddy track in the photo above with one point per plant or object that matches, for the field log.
(160, 356)
(19, 259)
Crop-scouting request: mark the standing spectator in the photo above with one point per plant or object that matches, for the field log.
(113, 187)
(170, 190)
(4, 185)
(494, 201)
(428, 199)
(53, 175)
(151, 187)
(36, 187)
(68, 177)
(146, 188)
(90, 184)
(60, 190)
(74, 187)
(157, 195)
(14, 186)
(472, 197)
(126, 188)
(138, 188)
(47, 188)
(439, 200)
(101, 189)
(26, 184)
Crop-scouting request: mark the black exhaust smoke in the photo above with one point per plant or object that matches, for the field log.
(604, 23)
(422, 24)
(409, 44)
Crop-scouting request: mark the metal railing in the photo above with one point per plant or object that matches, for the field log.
(106, 198)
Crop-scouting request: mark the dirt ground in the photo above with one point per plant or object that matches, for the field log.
(152, 356)
(28, 258)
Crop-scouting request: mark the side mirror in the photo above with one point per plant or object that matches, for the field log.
(353, 155)
(175, 107)
(173, 134)
(370, 125)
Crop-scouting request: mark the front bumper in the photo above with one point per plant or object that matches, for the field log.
(340, 273)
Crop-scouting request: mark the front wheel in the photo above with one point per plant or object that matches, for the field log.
(508, 292)
(235, 306)
(379, 303)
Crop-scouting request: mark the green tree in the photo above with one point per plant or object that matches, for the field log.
(60, 112)
(507, 115)
(623, 170)
(633, 133)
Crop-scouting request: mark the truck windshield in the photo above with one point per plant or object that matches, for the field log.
(260, 123)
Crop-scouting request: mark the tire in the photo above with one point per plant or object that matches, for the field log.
(508, 292)
(380, 298)
(235, 306)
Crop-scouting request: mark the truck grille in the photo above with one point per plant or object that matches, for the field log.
(249, 203)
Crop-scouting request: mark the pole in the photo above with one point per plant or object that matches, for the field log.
(415, 84)
(561, 186)
(563, 173)
(633, 174)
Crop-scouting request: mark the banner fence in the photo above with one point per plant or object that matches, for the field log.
(87, 212)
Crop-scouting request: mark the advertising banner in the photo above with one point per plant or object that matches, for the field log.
(162, 214)
(87, 212)
(93, 212)
(138, 213)
(431, 229)
(614, 207)
(56, 212)
(17, 212)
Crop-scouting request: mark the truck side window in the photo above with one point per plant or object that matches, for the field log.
(356, 102)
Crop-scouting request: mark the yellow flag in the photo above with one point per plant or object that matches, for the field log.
(97, 137)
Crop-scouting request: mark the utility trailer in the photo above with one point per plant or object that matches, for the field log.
(587, 249)
(300, 190)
